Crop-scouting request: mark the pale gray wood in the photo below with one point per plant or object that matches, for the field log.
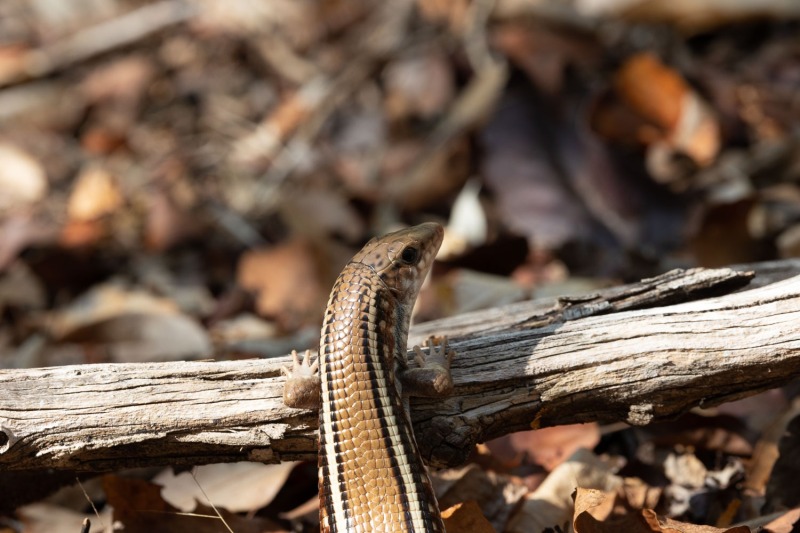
(634, 366)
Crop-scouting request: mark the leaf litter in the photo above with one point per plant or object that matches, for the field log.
(184, 179)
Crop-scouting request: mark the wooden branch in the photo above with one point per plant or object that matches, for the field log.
(517, 366)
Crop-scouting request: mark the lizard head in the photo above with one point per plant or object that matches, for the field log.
(402, 259)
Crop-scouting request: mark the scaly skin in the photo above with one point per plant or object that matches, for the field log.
(371, 474)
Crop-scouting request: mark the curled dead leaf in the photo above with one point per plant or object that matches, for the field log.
(548, 447)
(139, 506)
(50, 518)
(140, 337)
(551, 504)
(595, 513)
(237, 487)
(22, 178)
(94, 195)
(652, 104)
(493, 496)
(106, 301)
(465, 517)
(286, 280)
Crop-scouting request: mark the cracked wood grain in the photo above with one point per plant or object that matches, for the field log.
(531, 363)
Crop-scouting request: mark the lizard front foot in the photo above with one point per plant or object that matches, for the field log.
(302, 387)
(432, 378)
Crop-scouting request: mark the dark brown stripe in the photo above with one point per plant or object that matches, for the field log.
(389, 410)
(393, 411)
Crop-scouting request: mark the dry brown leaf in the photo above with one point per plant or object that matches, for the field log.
(531, 197)
(22, 178)
(786, 523)
(237, 487)
(139, 508)
(107, 301)
(596, 503)
(139, 337)
(548, 447)
(660, 96)
(685, 470)
(94, 195)
(551, 504)
(49, 518)
(652, 90)
(241, 328)
(286, 280)
(466, 518)
(130, 497)
(593, 514)
(657, 108)
(667, 525)
(496, 495)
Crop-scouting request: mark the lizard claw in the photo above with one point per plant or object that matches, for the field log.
(302, 382)
(301, 366)
(432, 378)
(439, 355)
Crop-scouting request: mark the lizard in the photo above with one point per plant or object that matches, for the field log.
(371, 473)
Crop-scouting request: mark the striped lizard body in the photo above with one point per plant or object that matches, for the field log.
(371, 474)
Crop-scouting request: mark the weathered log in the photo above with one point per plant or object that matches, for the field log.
(537, 363)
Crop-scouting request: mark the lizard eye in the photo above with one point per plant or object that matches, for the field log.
(410, 255)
